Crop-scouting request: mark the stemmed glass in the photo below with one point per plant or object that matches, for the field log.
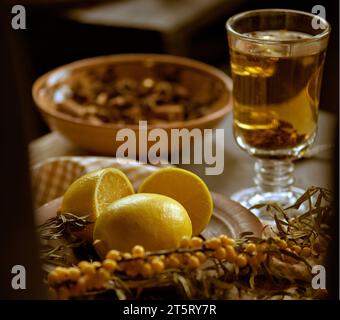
(277, 58)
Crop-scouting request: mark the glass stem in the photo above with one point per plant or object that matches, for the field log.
(274, 175)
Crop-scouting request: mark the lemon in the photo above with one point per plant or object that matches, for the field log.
(90, 194)
(153, 221)
(185, 187)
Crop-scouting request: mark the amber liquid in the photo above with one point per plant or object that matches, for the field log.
(276, 92)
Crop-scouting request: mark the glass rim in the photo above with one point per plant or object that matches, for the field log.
(325, 32)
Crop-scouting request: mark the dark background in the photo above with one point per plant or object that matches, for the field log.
(52, 39)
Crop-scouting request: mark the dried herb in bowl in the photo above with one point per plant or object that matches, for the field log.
(100, 96)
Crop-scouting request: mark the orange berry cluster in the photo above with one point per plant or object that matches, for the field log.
(192, 252)
(75, 281)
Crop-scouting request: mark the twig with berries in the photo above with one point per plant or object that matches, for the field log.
(213, 268)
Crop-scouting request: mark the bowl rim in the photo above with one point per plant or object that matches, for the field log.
(136, 57)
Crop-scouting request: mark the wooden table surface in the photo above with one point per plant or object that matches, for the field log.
(238, 167)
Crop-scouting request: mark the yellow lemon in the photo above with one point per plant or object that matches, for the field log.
(93, 192)
(185, 187)
(153, 221)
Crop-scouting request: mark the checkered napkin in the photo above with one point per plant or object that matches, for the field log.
(51, 178)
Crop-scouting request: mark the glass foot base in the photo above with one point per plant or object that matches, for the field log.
(252, 196)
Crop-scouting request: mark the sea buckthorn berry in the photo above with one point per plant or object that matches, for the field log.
(193, 262)
(231, 253)
(180, 257)
(109, 265)
(60, 269)
(114, 255)
(173, 261)
(104, 274)
(231, 242)
(227, 241)
(96, 264)
(83, 264)
(74, 291)
(220, 253)
(223, 237)
(99, 279)
(196, 242)
(305, 252)
(201, 256)
(74, 273)
(138, 252)
(127, 255)
(213, 243)
(87, 268)
(296, 248)
(63, 273)
(241, 260)
(282, 244)
(184, 257)
(185, 242)
(262, 247)
(53, 277)
(98, 283)
(88, 281)
(250, 248)
(157, 265)
(147, 270)
(82, 284)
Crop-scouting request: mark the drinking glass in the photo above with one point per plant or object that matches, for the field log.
(277, 58)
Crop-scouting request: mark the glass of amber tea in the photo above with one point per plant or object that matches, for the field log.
(277, 58)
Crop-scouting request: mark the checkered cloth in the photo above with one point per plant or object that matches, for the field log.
(51, 178)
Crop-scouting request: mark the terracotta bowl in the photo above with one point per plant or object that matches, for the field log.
(197, 77)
